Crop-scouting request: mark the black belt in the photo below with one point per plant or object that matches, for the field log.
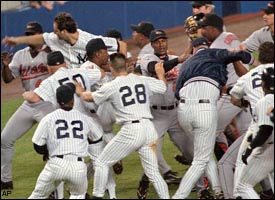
(93, 111)
(165, 107)
(135, 121)
(200, 101)
(62, 156)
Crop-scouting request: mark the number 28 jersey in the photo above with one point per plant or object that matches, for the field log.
(130, 96)
(250, 85)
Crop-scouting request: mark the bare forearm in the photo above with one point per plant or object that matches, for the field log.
(31, 40)
(239, 68)
(6, 74)
(123, 47)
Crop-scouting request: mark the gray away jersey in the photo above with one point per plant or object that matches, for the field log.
(32, 71)
(76, 55)
(129, 96)
(66, 132)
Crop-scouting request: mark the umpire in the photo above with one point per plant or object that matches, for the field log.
(198, 88)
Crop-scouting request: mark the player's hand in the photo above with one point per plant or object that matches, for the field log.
(6, 57)
(246, 154)
(45, 157)
(10, 41)
(86, 96)
(183, 57)
(78, 88)
(244, 103)
(159, 68)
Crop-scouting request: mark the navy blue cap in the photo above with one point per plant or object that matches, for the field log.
(65, 93)
(200, 41)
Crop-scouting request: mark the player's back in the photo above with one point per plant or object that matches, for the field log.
(130, 96)
(65, 133)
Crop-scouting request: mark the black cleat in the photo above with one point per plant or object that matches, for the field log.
(6, 185)
(182, 160)
(205, 194)
(142, 189)
(171, 177)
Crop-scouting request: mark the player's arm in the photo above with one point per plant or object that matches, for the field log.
(239, 68)
(84, 95)
(6, 72)
(232, 56)
(31, 40)
(31, 97)
(160, 72)
(122, 47)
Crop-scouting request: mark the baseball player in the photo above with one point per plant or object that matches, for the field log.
(265, 34)
(248, 85)
(163, 107)
(63, 136)
(259, 154)
(198, 88)
(212, 28)
(30, 65)
(129, 94)
(67, 39)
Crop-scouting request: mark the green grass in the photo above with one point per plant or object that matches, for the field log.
(27, 165)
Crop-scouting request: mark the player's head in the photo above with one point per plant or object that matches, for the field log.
(200, 42)
(55, 60)
(266, 53)
(141, 33)
(33, 28)
(114, 33)
(64, 25)
(268, 14)
(117, 63)
(97, 51)
(211, 26)
(65, 96)
(202, 7)
(268, 80)
(159, 41)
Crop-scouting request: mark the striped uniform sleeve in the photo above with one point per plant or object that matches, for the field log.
(261, 111)
(95, 130)
(45, 91)
(238, 90)
(156, 86)
(41, 133)
(94, 75)
(103, 94)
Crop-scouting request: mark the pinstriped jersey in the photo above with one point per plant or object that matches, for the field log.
(32, 71)
(47, 89)
(75, 54)
(129, 96)
(250, 85)
(262, 118)
(253, 42)
(66, 132)
(171, 76)
(227, 40)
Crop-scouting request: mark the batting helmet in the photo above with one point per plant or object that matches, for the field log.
(268, 78)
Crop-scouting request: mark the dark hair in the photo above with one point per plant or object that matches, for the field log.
(118, 61)
(266, 53)
(65, 21)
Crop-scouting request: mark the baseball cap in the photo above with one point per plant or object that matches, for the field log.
(211, 20)
(114, 33)
(143, 27)
(269, 9)
(55, 58)
(157, 34)
(197, 4)
(32, 28)
(65, 93)
(95, 45)
(200, 41)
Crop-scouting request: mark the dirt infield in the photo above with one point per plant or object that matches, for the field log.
(241, 25)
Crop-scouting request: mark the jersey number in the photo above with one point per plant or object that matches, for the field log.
(77, 77)
(62, 132)
(256, 81)
(127, 93)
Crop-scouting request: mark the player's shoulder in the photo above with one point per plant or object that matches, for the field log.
(22, 52)
(266, 101)
(89, 65)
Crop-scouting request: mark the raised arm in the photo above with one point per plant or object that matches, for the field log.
(30, 40)
(6, 72)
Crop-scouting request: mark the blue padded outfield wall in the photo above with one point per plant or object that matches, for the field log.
(98, 16)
